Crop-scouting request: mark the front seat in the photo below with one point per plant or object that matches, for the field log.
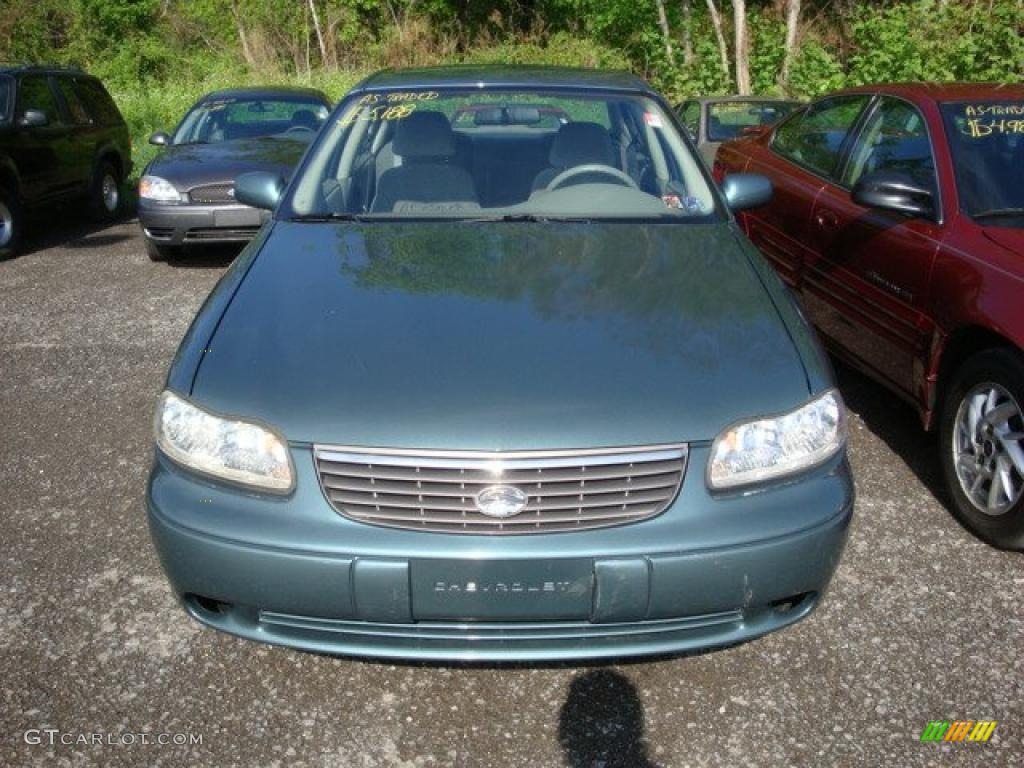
(576, 144)
(304, 118)
(426, 144)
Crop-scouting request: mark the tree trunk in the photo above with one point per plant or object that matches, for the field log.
(665, 34)
(741, 46)
(716, 22)
(792, 19)
(687, 8)
(242, 38)
(319, 33)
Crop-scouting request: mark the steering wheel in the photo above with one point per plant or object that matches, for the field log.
(580, 170)
(297, 128)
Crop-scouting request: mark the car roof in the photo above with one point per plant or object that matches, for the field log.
(754, 97)
(43, 69)
(264, 92)
(945, 91)
(505, 76)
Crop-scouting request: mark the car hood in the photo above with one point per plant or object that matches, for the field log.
(500, 336)
(189, 165)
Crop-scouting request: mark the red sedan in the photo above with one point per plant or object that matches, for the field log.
(898, 218)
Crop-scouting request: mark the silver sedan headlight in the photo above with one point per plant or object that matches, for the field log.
(770, 448)
(160, 190)
(231, 449)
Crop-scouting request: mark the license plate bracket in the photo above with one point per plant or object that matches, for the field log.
(237, 217)
(504, 590)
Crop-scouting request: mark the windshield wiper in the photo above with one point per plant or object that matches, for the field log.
(322, 217)
(535, 217)
(997, 212)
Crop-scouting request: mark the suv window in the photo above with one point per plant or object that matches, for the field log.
(35, 93)
(814, 138)
(75, 108)
(689, 113)
(98, 101)
(894, 139)
(6, 92)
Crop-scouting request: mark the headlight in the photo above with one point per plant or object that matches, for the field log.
(155, 188)
(226, 448)
(766, 449)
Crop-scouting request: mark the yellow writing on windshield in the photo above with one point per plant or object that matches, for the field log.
(979, 129)
(381, 112)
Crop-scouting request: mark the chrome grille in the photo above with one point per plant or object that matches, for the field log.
(437, 490)
(213, 193)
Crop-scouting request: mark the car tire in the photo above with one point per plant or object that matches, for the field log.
(157, 252)
(10, 223)
(105, 192)
(982, 445)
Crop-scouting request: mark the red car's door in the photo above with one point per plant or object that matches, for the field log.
(865, 284)
(803, 151)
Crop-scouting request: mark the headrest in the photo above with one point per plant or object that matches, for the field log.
(423, 134)
(580, 144)
(305, 118)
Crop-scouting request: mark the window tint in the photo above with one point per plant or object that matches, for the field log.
(727, 119)
(814, 138)
(76, 110)
(101, 107)
(894, 139)
(35, 93)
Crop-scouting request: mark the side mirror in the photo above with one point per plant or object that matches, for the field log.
(34, 118)
(889, 191)
(746, 190)
(260, 189)
(159, 139)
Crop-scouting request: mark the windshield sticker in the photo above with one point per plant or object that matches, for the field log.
(652, 120)
(398, 97)
(981, 120)
(382, 112)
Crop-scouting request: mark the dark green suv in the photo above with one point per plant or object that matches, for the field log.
(61, 137)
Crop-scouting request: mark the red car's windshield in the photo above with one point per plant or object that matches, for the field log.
(987, 142)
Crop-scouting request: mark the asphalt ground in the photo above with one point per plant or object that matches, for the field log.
(923, 622)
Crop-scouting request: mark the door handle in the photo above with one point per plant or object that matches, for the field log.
(826, 219)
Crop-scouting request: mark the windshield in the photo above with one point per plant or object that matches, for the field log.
(468, 153)
(5, 98)
(225, 119)
(727, 119)
(987, 142)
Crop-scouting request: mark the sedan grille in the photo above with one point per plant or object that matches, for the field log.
(213, 193)
(563, 490)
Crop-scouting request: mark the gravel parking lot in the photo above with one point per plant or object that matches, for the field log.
(922, 623)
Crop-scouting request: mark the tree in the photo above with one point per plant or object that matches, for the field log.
(741, 45)
(665, 34)
(792, 19)
(686, 6)
(716, 23)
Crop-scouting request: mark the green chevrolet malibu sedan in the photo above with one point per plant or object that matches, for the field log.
(500, 379)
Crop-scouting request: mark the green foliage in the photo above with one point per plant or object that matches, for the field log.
(158, 56)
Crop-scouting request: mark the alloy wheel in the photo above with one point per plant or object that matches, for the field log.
(110, 193)
(988, 448)
(6, 224)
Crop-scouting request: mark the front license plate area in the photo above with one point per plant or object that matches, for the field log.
(237, 217)
(463, 590)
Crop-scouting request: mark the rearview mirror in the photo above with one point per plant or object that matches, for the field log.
(889, 191)
(260, 189)
(34, 118)
(159, 139)
(746, 190)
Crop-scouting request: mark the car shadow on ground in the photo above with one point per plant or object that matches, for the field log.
(204, 256)
(896, 423)
(69, 226)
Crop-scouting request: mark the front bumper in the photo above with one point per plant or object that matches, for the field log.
(238, 563)
(175, 224)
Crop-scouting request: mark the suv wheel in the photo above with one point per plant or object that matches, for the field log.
(105, 196)
(982, 444)
(10, 223)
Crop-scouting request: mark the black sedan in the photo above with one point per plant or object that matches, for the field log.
(187, 194)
